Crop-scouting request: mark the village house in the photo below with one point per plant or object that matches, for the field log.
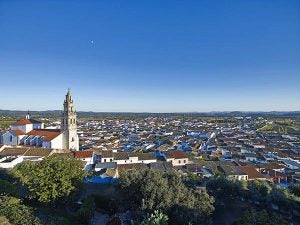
(177, 158)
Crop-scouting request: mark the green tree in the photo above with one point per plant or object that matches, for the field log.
(51, 179)
(156, 218)
(192, 179)
(260, 218)
(280, 197)
(259, 190)
(225, 190)
(165, 191)
(17, 213)
(295, 189)
(86, 211)
(7, 188)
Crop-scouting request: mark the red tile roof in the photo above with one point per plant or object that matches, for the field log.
(251, 172)
(47, 134)
(26, 121)
(18, 132)
(83, 154)
(176, 154)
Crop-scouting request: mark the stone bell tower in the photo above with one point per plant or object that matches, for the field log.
(69, 124)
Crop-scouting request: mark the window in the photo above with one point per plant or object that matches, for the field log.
(10, 138)
(179, 161)
(184, 161)
(72, 138)
(111, 160)
(104, 160)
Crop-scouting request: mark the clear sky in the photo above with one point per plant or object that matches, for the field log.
(150, 56)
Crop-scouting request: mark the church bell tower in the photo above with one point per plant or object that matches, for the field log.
(69, 124)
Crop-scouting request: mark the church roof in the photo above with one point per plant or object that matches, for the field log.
(47, 134)
(18, 132)
(26, 121)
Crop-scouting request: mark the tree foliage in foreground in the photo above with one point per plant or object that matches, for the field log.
(51, 179)
(156, 218)
(8, 188)
(17, 213)
(295, 189)
(86, 211)
(150, 190)
(260, 218)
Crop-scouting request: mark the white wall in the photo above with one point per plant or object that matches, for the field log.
(109, 159)
(131, 160)
(38, 126)
(11, 164)
(25, 128)
(57, 142)
(178, 162)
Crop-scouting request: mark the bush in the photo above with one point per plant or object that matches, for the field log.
(295, 189)
(156, 218)
(150, 190)
(7, 188)
(106, 203)
(260, 218)
(86, 211)
(17, 213)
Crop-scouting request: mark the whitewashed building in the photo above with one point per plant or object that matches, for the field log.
(28, 131)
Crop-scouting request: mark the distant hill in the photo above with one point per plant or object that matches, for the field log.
(280, 128)
(57, 113)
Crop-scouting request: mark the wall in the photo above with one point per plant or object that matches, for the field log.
(57, 142)
(7, 136)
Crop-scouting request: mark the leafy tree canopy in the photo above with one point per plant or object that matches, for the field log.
(51, 179)
(165, 191)
(260, 218)
(156, 218)
(8, 188)
(295, 189)
(17, 213)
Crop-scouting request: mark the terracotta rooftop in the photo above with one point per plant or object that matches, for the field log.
(175, 154)
(83, 154)
(251, 172)
(232, 170)
(47, 134)
(18, 132)
(26, 121)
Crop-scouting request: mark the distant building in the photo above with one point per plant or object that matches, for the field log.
(28, 131)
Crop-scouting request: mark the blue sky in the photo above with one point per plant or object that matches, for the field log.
(150, 56)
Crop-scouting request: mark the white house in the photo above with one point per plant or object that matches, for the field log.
(87, 157)
(177, 158)
(133, 157)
